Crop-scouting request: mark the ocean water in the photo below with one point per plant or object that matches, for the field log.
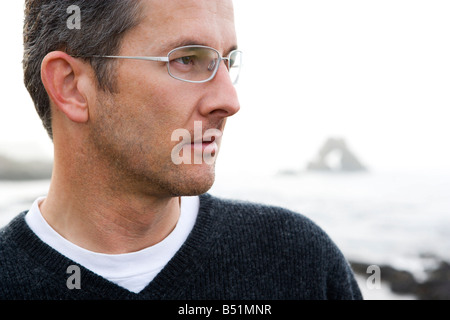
(397, 219)
(18, 196)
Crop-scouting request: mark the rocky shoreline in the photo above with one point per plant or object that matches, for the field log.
(436, 286)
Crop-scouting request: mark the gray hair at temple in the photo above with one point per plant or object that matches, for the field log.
(103, 25)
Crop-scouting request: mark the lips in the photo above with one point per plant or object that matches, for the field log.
(207, 144)
(210, 136)
(200, 145)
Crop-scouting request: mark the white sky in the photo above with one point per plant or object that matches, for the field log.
(374, 72)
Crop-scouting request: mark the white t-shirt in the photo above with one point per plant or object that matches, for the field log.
(133, 271)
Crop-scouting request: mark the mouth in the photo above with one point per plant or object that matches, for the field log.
(201, 146)
(209, 136)
(209, 142)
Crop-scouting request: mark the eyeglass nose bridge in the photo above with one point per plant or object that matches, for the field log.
(227, 63)
(217, 66)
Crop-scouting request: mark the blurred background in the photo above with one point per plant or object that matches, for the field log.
(344, 119)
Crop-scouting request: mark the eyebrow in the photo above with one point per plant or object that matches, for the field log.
(192, 42)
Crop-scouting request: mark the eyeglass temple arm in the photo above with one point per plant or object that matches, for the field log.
(161, 59)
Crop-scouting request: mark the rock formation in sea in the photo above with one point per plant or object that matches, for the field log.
(336, 156)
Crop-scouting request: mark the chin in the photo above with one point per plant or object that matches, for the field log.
(192, 180)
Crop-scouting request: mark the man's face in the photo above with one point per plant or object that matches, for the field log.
(131, 130)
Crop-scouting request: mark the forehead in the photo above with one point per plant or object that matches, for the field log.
(166, 23)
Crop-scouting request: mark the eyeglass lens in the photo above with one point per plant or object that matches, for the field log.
(235, 64)
(200, 64)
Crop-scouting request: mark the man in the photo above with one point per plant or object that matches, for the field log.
(124, 217)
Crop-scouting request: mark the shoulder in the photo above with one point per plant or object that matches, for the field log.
(302, 251)
(8, 232)
(274, 230)
(10, 239)
(11, 254)
(268, 219)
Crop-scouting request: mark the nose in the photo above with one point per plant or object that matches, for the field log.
(220, 97)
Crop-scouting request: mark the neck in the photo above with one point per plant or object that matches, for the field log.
(96, 213)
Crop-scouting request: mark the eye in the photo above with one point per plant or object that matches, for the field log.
(185, 60)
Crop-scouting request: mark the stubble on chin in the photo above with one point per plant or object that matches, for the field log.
(190, 181)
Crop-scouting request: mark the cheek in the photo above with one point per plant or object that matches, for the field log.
(167, 110)
(155, 91)
(155, 103)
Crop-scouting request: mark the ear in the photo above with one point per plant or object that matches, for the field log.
(65, 79)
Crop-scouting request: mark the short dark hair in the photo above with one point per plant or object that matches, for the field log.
(103, 25)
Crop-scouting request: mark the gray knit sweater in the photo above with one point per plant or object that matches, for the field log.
(236, 251)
